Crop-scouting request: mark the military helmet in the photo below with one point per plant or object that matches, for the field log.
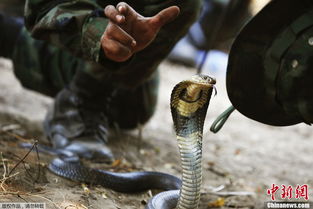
(270, 70)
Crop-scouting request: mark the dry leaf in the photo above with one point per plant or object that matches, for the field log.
(86, 189)
(116, 163)
(219, 202)
(104, 196)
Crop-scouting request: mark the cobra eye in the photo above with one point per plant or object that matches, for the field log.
(211, 80)
(205, 77)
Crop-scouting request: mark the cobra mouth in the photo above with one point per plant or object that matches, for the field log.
(197, 84)
(191, 95)
(203, 79)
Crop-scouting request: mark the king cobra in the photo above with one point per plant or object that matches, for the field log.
(189, 103)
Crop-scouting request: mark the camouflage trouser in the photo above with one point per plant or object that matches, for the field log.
(48, 69)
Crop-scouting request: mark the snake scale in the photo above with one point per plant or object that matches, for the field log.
(189, 103)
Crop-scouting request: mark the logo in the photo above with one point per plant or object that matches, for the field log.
(294, 196)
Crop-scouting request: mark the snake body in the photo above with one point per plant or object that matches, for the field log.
(189, 103)
(121, 182)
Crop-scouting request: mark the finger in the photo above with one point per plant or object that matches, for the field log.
(126, 10)
(113, 14)
(165, 16)
(115, 50)
(116, 33)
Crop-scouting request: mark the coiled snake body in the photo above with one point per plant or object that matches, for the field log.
(189, 103)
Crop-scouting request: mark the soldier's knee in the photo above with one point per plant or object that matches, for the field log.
(128, 109)
(132, 119)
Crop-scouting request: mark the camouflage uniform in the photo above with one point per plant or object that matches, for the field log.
(66, 61)
(71, 31)
(79, 32)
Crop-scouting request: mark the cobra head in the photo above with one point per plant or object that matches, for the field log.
(190, 98)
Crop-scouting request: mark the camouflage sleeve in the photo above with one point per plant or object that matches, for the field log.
(74, 25)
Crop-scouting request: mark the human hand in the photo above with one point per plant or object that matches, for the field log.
(129, 32)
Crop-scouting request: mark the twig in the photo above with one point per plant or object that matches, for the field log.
(38, 162)
(16, 136)
(117, 130)
(22, 160)
(55, 204)
(139, 137)
(19, 159)
(10, 127)
(19, 196)
(217, 189)
(218, 173)
(9, 193)
(4, 166)
(3, 181)
(236, 193)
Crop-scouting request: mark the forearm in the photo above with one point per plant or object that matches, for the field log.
(76, 26)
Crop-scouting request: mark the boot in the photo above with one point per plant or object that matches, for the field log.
(10, 29)
(77, 121)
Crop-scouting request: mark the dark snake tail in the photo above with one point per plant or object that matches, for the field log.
(121, 182)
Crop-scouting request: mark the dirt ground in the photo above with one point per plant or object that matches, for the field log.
(245, 156)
